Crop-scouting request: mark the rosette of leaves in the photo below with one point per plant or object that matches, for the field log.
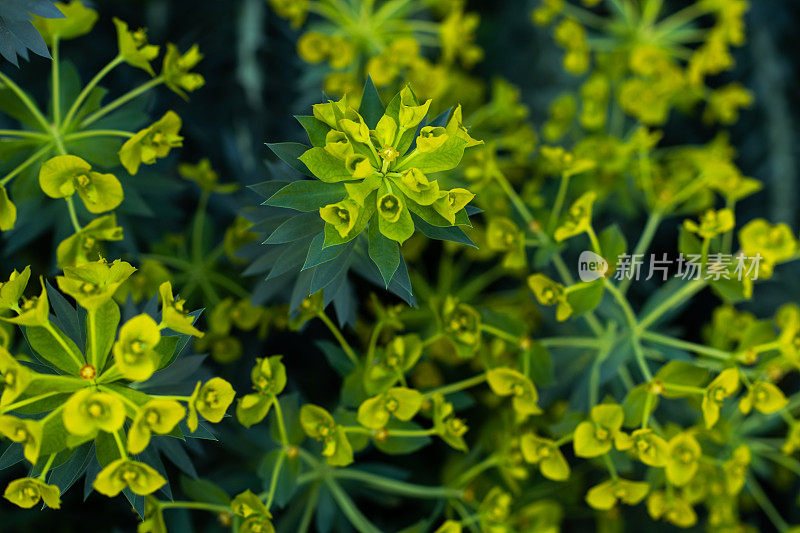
(64, 150)
(373, 184)
(105, 390)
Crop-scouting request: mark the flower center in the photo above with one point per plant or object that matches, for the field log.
(87, 372)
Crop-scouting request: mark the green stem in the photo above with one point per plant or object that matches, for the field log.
(273, 482)
(281, 425)
(47, 466)
(394, 486)
(349, 509)
(50, 329)
(210, 507)
(766, 505)
(458, 386)
(339, 337)
(56, 84)
(88, 89)
(27, 401)
(476, 470)
(684, 293)
(26, 101)
(97, 133)
(559, 203)
(120, 446)
(130, 95)
(197, 228)
(73, 217)
(644, 243)
(25, 164)
(25, 133)
(666, 340)
(570, 342)
(500, 334)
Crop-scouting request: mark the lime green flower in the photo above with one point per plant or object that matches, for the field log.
(449, 526)
(320, 425)
(544, 452)
(64, 175)
(293, 10)
(578, 218)
(156, 416)
(23, 431)
(85, 245)
(153, 520)
(89, 411)
(395, 218)
(205, 176)
(431, 138)
(764, 396)
(14, 377)
(8, 211)
(494, 510)
(400, 356)
(712, 223)
(672, 508)
(211, 400)
(502, 235)
(28, 491)
(509, 382)
(124, 473)
(269, 380)
(649, 448)
(449, 427)
(256, 515)
(342, 216)
(411, 112)
(735, 469)
(135, 351)
(173, 314)
(151, 143)
(399, 402)
(133, 47)
(34, 311)
(606, 495)
(93, 284)
(78, 20)
(775, 243)
(11, 291)
(683, 459)
(596, 437)
(549, 292)
(176, 67)
(462, 325)
(723, 386)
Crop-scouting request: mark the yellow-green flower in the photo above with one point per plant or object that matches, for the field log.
(411, 113)
(509, 382)
(269, 379)
(394, 218)
(78, 20)
(124, 473)
(151, 143)
(399, 402)
(64, 175)
(34, 311)
(293, 10)
(255, 513)
(135, 351)
(712, 223)
(85, 245)
(133, 47)
(462, 324)
(672, 508)
(8, 211)
(156, 416)
(549, 292)
(205, 176)
(449, 526)
(502, 235)
(89, 411)
(176, 67)
(595, 437)
(431, 139)
(28, 491)
(320, 425)
(765, 397)
(651, 449)
(451, 202)
(735, 469)
(173, 314)
(683, 459)
(545, 453)
(775, 243)
(449, 427)
(723, 386)
(578, 218)
(211, 400)
(606, 495)
(342, 216)
(14, 377)
(11, 291)
(400, 355)
(23, 431)
(93, 284)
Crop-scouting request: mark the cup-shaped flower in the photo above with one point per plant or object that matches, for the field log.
(359, 166)
(399, 402)
(134, 351)
(394, 220)
(411, 112)
(735, 469)
(578, 218)
(34, 311)
(133, 47)
(85, 245)
(452, 202)
(673, 508)
(549, 292)
(357, 130)
(78, 20)
(648, 447)
(400, 355)
(723, 386)
(606, 495)
(248, 504)
(151, 143)
(764, 396)
(269, 379)
(683, 459)
(545, 453)
(462, 324)
(774, 243)
(596, 436)
(176, 69)
(320, 425)
(509, 382)
(338, 145)
(156, 416)
(8, 211)
(14, 377)
(173, 313)
(342, 215)
(11, 291)
(712, 223)
(23, 431)
(28, 491)
(93, 284)
(431, 138)
(123, 473)
(64, 175)
(211, 400)
(89, 411)
(449, 427)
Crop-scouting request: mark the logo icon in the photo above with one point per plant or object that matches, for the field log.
(591, 266)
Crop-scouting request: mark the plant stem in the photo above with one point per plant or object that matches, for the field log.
(684, 293)
(86, 90)
(395, 486)
(559, 203)
(273, 482)
(25, 164)
(130, 95)
(197, 228)
(763, 501)
(281, 425)
(73, 217)
(458, 386)
(339, 337)
(666, 340)
(210, 507)
(26, 101)
(97, 133)
(56, 85)
(643, 244)
(24, 133)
